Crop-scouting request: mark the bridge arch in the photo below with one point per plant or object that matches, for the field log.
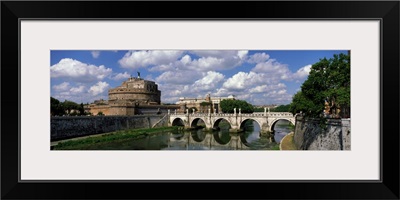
(271, 127)
(242, 123)
(178, 122)
(216, 123)
(194, 122)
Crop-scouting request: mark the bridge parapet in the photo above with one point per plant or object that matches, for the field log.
(253, 115)
(280, 114)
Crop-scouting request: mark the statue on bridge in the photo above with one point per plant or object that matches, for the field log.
(138, 74)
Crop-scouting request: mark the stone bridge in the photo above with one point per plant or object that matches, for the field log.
(266, 120)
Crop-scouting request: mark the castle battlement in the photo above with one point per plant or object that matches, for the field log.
(123, 100)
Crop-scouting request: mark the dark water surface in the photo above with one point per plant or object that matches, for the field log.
(250, 139)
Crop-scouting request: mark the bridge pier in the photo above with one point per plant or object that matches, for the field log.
(235, 130)
(265, 130)
(266, 133)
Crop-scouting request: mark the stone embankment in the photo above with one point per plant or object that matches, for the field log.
(317, 134)
(71, 127)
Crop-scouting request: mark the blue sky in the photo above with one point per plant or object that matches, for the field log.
(259, 77)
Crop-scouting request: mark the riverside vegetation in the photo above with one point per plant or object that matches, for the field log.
(121, 135)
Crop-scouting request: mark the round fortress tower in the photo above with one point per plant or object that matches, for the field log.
(135, 91)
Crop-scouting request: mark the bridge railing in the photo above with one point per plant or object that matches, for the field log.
(258, 114)
(280, 114)
(252, 114)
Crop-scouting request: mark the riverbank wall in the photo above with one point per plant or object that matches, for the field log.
(315, 134)
(71, 127)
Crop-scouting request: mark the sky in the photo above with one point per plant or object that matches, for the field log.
(261, 77)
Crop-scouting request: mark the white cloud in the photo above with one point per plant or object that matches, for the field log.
(222, 92)
(259, 89)
(302, 72)
(258, 58)
(61, 87)
(209, 82)
(243, 80)
(80, 72)
(95, 54)
(77, 90)
(138, 59)
(98, 88)
(273, 69)
(181, 84)
(206, 61)
(270, 66)
(163, 68)
(217, 60)
(121, 76)
(242, 54)
(267, 88)
(178, 77)
(210, 79)
(220, 53)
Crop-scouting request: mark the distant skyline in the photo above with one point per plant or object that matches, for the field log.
(260, 77)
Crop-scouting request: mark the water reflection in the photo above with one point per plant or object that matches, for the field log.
(281, 128)
(222, 139)
(198, 135)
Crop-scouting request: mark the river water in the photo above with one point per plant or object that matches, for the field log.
(250, 139)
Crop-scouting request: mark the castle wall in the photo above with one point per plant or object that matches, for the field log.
(122, 110)
(94, 109)
(134, 95)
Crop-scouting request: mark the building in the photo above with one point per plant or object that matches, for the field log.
(134, 96)
(202, 104)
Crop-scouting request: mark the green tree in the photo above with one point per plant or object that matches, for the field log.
(301, 104)
(81, 109)
(100, 113)
(70, 105)
(281, 108)
(191, 109)
(204, 106)
(258, 109)
(329, 80)
(228, 105)
(56, 107)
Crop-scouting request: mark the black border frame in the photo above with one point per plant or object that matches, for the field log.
(386, 11)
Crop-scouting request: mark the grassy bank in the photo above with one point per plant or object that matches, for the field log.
(287, 142)
(276, 147)
(79, 143)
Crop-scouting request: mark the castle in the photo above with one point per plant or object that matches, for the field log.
(134, 96)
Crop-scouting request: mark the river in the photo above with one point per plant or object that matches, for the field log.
(250, 139)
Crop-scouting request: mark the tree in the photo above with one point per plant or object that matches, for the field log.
(204, 106)
(191, 109)
(281, 108)
(301, 103)
(100, 113)
(81, 109)
(329, 80)
(70, 105)
(56, 108)
(228, 105)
